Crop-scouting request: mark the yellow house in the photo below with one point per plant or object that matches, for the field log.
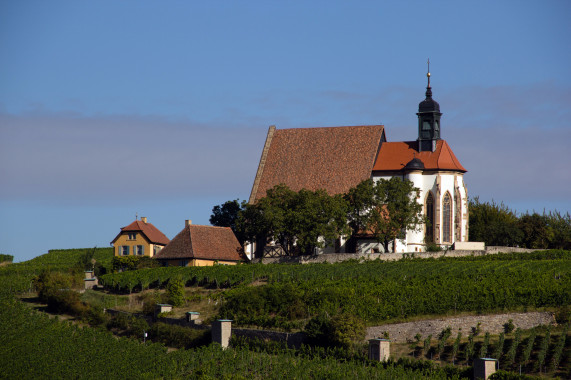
(139, 238)
(201, 246)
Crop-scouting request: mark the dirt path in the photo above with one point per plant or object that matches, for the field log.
(494, 324)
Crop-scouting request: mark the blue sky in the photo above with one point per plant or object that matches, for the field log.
(110, 109)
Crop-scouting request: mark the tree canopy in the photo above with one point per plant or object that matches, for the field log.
(305, 220)
(496, 224)
(384, 209)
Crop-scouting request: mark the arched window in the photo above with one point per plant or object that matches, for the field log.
(429, 212)
(447, 218)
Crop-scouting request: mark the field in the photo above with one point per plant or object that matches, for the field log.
(286, 297)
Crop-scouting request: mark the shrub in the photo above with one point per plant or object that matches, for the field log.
(341, 330)
(175, 292)
(433, 247)
(509, 326)
(346, 329)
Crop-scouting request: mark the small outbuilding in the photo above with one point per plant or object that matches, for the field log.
(198, 245)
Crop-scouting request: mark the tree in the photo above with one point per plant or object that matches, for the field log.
(561, 226)
(536, 230)
(298, 221)
(385, 208)
(494, 224)
(227, 214)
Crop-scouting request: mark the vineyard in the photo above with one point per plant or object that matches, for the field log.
(376, 292)
(286, 297)
(33, 345)
(18, 277)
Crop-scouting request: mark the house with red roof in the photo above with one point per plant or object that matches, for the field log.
(139, 238)
(198, 245)
(336, 159)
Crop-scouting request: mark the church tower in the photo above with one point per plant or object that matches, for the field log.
(428, 120)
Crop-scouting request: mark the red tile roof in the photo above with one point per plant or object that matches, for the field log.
(152, 233)
(334, 159)
(393, 156)
(203, 242)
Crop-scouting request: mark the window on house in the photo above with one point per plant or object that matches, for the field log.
(446, 218)
(183, 263)
(125, 250)
(132, 235)
(429, 210)
(140, 250)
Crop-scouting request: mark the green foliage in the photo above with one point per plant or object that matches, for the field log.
(6, 258)
(484, 347)
(509, 326)
(124, 263)
(505, 375)
(18, 277)
(298, 221)
(496, 224)
(178, 336)
(375, 291)
(433, 247)
(499, 349)
(346, 329)
(456, 345)
(40, 347)
(343, 330)
(528, 347)
(470, 349)
(385, 208)
(558, 350)
(442, 338)
(227, 214)
(175, 292)
(512, 351)
(426, 345)
(543, 346)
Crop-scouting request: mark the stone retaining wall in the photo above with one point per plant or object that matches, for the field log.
(494, 324)
(339, 257)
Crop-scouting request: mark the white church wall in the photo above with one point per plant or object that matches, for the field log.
(428, 182)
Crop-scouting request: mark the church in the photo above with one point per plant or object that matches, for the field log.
(338, 158)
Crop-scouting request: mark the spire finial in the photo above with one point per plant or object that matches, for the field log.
(428, 72)
(428, 89)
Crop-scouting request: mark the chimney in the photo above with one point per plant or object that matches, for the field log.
(187, 222)
(144, 219)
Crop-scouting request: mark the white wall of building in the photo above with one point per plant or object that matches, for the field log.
(439, 183)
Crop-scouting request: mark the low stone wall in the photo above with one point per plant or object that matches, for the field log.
(293, 340)
(494, 324)
(339, 257)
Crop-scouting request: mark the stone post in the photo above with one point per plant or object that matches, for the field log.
(379, 349)
(221, 332)
(484, 367)
(192, 316)
(162, 308)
